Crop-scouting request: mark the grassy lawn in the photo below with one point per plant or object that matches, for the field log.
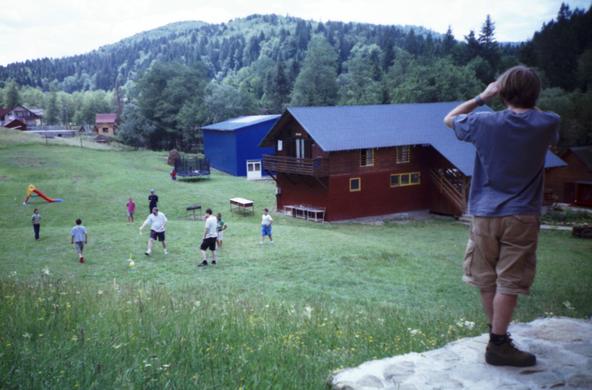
(323, 296)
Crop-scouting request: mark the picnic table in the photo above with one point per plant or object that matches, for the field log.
(243, 205)
(192, 208)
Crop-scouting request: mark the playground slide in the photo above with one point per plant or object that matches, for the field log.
(47, 198)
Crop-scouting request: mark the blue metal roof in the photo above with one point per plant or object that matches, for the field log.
(379, 126)
(240, 122)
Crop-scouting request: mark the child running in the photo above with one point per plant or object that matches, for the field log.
(79, 238)
(266, 222)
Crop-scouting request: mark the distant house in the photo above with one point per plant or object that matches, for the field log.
(573, 183)
(106, 124)
(358, 161)
(232, 146)
(20, 117)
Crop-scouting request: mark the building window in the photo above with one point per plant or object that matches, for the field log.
(355, 184)
(405, 179)
(366, 157)
(105, 129)
(403, 154)
(280, 145)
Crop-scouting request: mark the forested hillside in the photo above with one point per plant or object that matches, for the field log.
(200, 73)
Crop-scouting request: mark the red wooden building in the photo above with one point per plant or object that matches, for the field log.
(106, 124)
(573, 183)
(358, 161)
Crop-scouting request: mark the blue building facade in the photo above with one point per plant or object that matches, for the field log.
(232, 146)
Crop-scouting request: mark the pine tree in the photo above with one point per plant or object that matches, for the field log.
(316, 84)
(448, 42)
(13, 97)
(51, 112)
(488, 47)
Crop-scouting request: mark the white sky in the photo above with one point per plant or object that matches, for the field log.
(54, 28)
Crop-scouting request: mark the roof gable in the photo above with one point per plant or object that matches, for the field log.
(241, 122)
(109, 117)
(584, 154)
(339, 128)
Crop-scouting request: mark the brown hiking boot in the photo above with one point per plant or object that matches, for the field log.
(506, 354)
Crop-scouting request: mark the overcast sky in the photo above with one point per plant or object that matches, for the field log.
(54, 28)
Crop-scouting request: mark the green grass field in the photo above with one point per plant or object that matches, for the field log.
(283, 316)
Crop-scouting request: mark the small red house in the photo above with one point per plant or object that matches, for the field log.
(358, 161)
(106, 124)
(573, 183)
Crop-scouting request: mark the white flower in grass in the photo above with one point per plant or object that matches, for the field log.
(568, 305)
(27, 335)
(413, 332)
(308, 312)
(12, 274)
(100, 292)
(469, 324)
(197, 304)
(45, 271)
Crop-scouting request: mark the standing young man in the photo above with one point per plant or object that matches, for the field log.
(209, 239)
(152, 200)
(505, 199)
(157, 222)
(79, 238)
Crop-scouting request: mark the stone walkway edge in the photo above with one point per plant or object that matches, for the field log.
(563, 347)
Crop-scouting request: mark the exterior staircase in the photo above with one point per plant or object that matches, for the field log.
(453, 185)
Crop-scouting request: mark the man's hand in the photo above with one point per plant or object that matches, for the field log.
(490, 92)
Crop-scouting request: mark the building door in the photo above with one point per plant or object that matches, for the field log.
(253, 169)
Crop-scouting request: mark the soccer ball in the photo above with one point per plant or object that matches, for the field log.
(131, 263)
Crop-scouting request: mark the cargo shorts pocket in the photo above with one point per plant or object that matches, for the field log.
(468, 260)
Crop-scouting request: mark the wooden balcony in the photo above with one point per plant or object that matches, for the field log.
(318, 167)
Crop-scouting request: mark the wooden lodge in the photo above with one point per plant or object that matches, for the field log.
(358, 161)
(20, 117)
(573, 183)
(106, 124)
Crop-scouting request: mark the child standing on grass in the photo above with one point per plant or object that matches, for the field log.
(131, 209)
(221, 227)
(266, 222)
(505, 199)
(36, 220)
(79, 238)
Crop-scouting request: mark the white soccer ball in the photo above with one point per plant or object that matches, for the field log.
(131, 263)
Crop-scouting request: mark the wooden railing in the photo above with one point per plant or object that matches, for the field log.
(318, 167)
(453, 186)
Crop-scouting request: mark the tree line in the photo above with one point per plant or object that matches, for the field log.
(191, 75)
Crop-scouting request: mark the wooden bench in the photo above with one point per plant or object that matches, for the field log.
(242, 205)
(307, 212)
(192, 208)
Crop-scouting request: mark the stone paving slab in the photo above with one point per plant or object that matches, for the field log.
(563, 347)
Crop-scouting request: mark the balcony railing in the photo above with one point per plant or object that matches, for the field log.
(318, 167)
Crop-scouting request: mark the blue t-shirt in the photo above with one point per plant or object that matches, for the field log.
(509, 164)
(78, 233)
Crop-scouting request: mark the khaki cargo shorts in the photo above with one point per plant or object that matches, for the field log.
(501, 253)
